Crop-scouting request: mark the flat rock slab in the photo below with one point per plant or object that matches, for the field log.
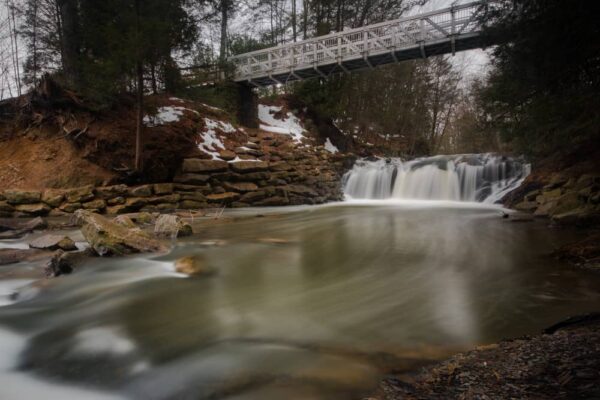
(53, 242)
(249, 166)
(13, 256)
(198, 165)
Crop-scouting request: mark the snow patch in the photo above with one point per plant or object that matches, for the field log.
(330, 147)
(166, 115)
(211, 143)
(290, 125)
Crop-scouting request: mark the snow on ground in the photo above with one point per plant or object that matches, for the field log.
(330, 147)
(211, 142)
(166, 115)
(287, 126)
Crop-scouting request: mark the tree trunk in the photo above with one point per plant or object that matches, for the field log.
(224, 22)
(139, 71)
(305, 17)
(70, 40)
(295, 32)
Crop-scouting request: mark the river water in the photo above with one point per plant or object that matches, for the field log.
(305, 303)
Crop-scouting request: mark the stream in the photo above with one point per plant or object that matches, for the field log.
(312, 302)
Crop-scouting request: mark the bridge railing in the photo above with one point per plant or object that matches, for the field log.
(390, 36)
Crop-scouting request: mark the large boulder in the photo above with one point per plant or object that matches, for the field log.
(22, 196)
(108, 238)
(172, 226)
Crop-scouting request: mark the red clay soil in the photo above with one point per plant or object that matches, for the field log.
(42, 155)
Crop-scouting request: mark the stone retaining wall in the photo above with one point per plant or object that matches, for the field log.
(301, 178)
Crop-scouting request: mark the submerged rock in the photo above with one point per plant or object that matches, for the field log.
(172, 226)
(108, 238)
(193, 266)
(63, 263)
(53, 242)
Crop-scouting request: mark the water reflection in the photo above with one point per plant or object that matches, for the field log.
(312, 304)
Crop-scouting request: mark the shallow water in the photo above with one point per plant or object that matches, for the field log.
(307, 303)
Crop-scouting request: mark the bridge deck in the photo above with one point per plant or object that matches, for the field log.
(440, 32)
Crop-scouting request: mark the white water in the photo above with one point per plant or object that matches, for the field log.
(465, 177)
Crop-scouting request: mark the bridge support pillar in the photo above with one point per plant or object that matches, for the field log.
(247, 106)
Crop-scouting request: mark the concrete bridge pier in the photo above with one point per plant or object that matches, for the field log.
(247, 105)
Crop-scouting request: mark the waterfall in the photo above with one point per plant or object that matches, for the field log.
(465, 177)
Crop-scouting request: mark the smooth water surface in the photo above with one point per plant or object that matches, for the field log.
(313, 303)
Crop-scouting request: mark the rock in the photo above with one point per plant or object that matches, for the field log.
(227, 155)
(545, 209)
(13, 256)
(53, 198)
(33, 209)
(198, 165)
(80, 195)
(192, 179)
(163, 188)
(95, 205)
(169, 198)
(124, 220)
(527, 206)
(5, 207)
(172, 226)
(240, 186)
(224, 198)
(141, 191)
(556, 180)
(118, 209)
(193, 266)
(192, 205)
(142, 217)
(249, 166)
(116, 201)
(166, 206)
(22, 196)
(280, 166)
(135, 203)
(567, 202)
(111, 192)
(107, 238)
(71, 207)
(548, 195)
(272, 201)
(300, 190)
(198, 197)
(251, 197)
(53, 242)
(531, 196)
(63, 263)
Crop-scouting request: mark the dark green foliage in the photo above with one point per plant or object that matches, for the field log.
(543, 93)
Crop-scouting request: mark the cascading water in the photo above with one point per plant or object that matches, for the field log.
(465, 177)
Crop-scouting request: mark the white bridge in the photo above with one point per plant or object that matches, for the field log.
(443, 31)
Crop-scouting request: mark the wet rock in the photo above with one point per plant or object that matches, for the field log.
(249, 166)
(163, 188)
(240, 186)
(108, 238)
(53, 198)
(22, 196)
(5, 207)
(172, 226)
(141, 191)
(192, 179)
(33, 209)
(53, 242)
(194, 266)
(198, 165)
(223, 198)
(80, 195)
(63, 263)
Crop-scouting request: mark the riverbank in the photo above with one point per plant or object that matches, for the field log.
(563, 363)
